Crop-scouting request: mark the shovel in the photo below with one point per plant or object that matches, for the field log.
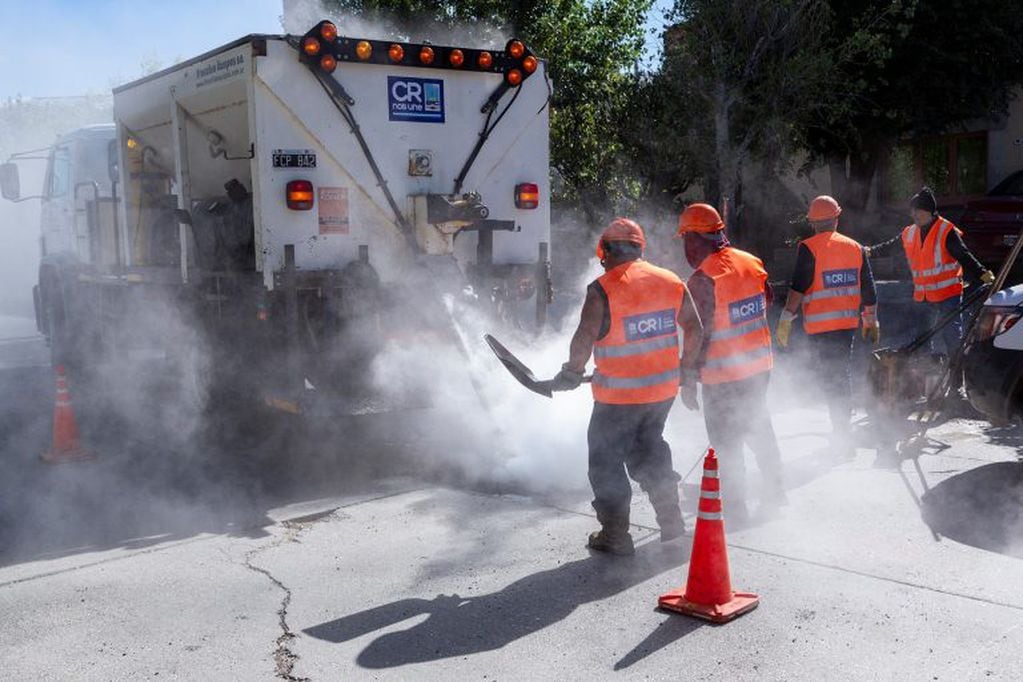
(517, 369)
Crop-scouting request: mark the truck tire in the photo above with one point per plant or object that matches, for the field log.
(70, 327)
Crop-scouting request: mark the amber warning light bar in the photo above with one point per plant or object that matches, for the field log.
(323, 47)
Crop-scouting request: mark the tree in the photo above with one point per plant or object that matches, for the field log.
(740, 75)
(909, 68)
(590, 47)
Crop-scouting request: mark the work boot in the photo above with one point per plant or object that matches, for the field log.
(616, 542)
(672, 530)
(664, 499)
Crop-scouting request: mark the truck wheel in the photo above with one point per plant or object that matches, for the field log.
(74, 337)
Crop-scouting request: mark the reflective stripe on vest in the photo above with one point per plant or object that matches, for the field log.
(833, 315)
(930, 261)
(742, 329)
(636, 348)
(638, 359)
(832, 302)
(738, 359)
(832, 293)
(637, 382)
(738, 339)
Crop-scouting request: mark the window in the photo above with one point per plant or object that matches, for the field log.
(58, 181)
(954, 166)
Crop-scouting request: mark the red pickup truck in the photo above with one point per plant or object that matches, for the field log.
(991, 225)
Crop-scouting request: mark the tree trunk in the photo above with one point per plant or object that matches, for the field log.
(725, 166)
(852, 188)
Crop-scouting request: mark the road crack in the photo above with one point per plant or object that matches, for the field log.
(284, 657)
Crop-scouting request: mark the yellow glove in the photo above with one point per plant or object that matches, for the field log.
(784, 329)
(871, 333)
(987, 277)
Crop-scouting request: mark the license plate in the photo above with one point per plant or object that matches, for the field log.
(1010, 239)
(293, 158)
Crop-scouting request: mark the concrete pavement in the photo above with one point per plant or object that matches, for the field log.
(408, 580)
(288, 559)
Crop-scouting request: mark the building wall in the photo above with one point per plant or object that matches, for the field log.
(1005, 145)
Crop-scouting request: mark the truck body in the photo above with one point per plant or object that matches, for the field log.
(296, 199)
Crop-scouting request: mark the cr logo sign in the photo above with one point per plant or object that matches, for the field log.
(404, 91)
(651, 324)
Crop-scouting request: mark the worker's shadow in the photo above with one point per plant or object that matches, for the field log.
(1008, 435)
(459, 626)
(982, 507)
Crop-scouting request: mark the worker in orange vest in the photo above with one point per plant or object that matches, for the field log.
(630, 323)
(834, 285)
(732, 296)
(937, 257)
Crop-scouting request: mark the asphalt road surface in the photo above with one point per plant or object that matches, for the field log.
(274, 548)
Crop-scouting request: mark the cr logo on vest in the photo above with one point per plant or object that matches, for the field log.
(747, 309)
(840, 278)
(648, 325)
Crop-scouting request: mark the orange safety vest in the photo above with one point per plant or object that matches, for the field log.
(739, 343)
(638, 360)
(833, 300)
(937, 276)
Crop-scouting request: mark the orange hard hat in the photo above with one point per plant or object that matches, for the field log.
(702, 218)
(823, 208)
(621, 230)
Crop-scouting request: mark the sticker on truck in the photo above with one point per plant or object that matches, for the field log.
(415, 99)
(333, 209)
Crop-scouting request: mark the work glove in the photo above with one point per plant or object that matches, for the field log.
(870, 330)
(566, 380)
(687, 391)
(784, 329)
(987, 277)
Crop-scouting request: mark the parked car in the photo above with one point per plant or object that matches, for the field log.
(991, 225)
(993, 364)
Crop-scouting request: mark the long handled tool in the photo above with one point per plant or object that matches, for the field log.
(518, 369)
(955, 361)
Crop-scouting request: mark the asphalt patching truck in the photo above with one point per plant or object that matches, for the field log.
(295, 201)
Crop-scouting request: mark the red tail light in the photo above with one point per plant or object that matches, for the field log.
(300, 195)
(995, 320)
(527, 195)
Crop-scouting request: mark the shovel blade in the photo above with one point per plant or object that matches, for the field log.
(522, 374)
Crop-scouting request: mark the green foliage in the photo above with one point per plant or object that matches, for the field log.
(734, 84)
(590, 47)
(909, 68)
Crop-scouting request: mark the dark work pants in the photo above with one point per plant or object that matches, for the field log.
(834, 355)
(629, 438)
(951, 334)
(735, 413)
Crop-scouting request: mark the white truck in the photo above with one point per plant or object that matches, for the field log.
(297, 198)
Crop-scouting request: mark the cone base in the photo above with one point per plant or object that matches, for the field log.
(76, 454)
(740, 603)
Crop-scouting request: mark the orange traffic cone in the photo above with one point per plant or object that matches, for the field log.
(708, 591)
(66, 445)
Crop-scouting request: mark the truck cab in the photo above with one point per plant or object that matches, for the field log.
(78, 211)
(77, 181)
